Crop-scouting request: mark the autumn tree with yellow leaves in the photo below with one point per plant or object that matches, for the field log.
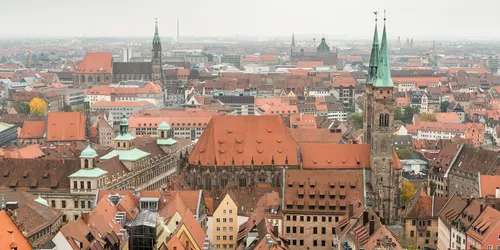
(37, 106)
(407, 190)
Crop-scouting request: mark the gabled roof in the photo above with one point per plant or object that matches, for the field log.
(6, 236)
(489, 184)
(66, 126)
(32, 129)
(189, 225)
(335, 156)
(93, 62)
(243, 139)
(485, 225)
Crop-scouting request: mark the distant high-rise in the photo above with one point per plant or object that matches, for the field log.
(127, 54)
(156, 66)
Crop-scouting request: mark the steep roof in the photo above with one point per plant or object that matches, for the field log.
(452, 209)
(318, 135)
(33, 129)
(243, 139)
(445, 158)
(335, 156)
(485, 225)
(66, 126)
(338, 190)
(193, 227)
(374, 57)
(489, 185)
(6, 236)
(384, 69)
(93, 62)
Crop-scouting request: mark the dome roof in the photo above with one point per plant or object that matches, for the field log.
(164, 126)
(124, 121)
(323, 47)
(42, 201)
(88, 153)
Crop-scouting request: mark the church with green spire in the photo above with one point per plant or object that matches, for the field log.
(156, 65)
(386, 173)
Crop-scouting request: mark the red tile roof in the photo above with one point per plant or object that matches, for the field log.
(344, 81)
(309, 64)
(485, 225)
(489, 185)
(335, 156)
(318, 135)
(190, 224)
(8, 232)
(33, 129)
(103, 104)
(66, 126)
(243, 139)
(93, 63)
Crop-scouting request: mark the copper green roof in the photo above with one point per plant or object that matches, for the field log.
(126, 155)
(168, 142)
(164, 126)
(88, 173)
(156, 38)
(372, 71)
(42, 201)
(323, 47)
(125, 137)
(384, 69)
(88, 153)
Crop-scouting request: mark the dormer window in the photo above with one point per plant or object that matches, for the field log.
(147, 203)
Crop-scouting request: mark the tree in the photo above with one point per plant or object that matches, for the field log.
(38, 106)
(428, 118)
(356, 119)
(432, 186)
(444, 106)
(407, 190)
(22, 107)
(408, 243)
(404, 153)
(409, 112)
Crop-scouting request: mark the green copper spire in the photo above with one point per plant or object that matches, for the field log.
(384, 78)
(156, 38)
(372, 73)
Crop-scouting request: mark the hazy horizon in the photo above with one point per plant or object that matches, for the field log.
(425, 19)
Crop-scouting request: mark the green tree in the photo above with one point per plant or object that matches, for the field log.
(398, 114)
(404, 153)
(432, 186)
(356, 119)
(408, 243)
(22, 107)
(428, 118)
(444, 106)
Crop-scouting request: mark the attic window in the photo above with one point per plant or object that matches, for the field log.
(6, 173)
(33, 184)
(25, 175)
(46, 175)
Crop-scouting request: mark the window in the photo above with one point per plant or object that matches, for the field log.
(89, 203)
(53, 204)
(315, 230)
(301, 242)
(412, 234)
(218, 220)
(288, 217)
(384, 120)
(63, 205)
(301, 218)
(76, 217)
(89, 185)
(64, 218)
(413, 222)
(323, 230)
(224, 220)
(294, 242)
(75, 184)
(315, 243)
(288, 230)
(83, 204)
(76, 204)
(294, 230)
(429, 222)
(309, 219)
(230, 219)
(323, 219)
(82, 186)
(301, 230)
(315, 218)
(428, 234)
(323, 243)
(218, 237)
(218, 229)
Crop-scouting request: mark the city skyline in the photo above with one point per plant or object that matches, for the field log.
(445, 19)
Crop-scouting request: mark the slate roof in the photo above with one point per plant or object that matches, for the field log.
(131, 68)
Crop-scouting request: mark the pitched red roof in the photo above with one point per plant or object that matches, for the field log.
(489, 185)
(245, 138)
(335, 156)
(6, 236)
(344, 81)
(309, 64)
(66, 126)
(93, 63)
(33, 129)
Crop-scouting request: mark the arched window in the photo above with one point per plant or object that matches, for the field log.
(195, 181)
(86, 163)
(242, 181)
(208, 182)
(118, 144)
(384, 120)
(262, 178)
(162, 134)
(223, 181)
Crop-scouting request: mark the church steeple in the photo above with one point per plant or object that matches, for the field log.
(384, 70)
(156, 65)
(374, 56)
(293, 41)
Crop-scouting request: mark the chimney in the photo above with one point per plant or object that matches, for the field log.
(365, 217)
(351, 212)
(371, 228)
(497, 193)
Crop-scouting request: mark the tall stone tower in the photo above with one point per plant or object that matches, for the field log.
(385, 177)
(156, 68)
(372, 76)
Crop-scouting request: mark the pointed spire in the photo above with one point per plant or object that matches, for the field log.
(374, 56)
(293, 40)
(384, 78)
(156, 38)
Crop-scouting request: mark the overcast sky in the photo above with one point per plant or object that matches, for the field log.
(344, 18)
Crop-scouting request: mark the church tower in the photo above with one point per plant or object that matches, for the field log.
(156, 66)
(372, 76)
(385, 178)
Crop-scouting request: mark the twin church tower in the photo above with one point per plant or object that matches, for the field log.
(378, 123)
